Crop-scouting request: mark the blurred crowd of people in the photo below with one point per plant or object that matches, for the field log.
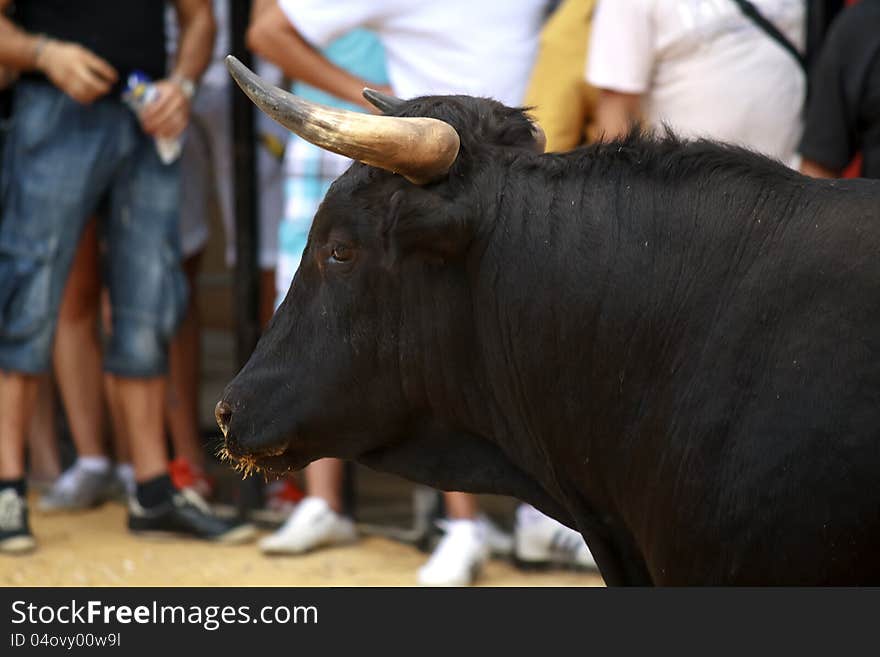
(103, 224)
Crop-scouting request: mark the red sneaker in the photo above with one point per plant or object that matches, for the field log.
(283, 495)
(186, 475)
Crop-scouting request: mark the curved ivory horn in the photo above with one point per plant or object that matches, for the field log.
(382, 102)
(420, 149)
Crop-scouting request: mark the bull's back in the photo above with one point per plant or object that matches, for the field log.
(700, 358)
(789, 413)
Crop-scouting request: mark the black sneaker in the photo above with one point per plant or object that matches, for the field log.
(187, 515)
(15, 532)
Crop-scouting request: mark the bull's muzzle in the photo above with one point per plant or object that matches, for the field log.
(249, 453)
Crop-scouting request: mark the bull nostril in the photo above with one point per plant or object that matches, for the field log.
(223, 414)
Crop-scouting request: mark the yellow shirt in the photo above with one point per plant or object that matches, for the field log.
(563, 102)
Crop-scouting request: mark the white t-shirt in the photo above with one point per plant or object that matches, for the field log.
(704, 68)
(482, 48)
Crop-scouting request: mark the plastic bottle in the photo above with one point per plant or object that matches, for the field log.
(140, 92)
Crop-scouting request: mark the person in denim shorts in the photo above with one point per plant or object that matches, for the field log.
(74, 146)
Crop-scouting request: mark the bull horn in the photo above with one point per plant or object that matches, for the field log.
(420, 149)
(382, 102)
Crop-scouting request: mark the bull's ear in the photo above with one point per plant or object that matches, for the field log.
(421, 222)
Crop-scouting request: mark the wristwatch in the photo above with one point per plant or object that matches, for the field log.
(187, 86)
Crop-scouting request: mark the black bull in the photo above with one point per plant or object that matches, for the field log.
(673, 347)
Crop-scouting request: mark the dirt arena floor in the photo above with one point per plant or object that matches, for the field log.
(93, 549)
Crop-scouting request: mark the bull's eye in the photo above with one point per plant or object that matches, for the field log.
(341, 253)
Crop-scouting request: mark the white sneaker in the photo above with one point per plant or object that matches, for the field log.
(540, 540)
(313, 524)
(80, 488)
(458, 557)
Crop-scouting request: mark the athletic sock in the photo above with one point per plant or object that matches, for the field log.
(18, 485)
(125, 474)
(155, 492)
(470, 526)
(71, 479)
(93, 463)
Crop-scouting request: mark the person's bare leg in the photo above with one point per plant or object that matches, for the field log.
(324, 480)
(18, 396)
(77, 354)
(121, 450)
(119, 436)
(461, 506)
(42, 440)
(142, 404)
(182, 410)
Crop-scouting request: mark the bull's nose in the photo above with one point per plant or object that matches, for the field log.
(223, 414)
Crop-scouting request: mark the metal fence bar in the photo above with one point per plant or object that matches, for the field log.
(247, 273)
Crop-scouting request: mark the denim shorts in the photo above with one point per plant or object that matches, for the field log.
(61, 161)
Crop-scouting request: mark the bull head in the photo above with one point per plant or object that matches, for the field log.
(341, 370)
(420, 149)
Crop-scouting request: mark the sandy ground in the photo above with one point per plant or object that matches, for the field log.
(93, 549)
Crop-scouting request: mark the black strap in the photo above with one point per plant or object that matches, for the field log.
(751, 11)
